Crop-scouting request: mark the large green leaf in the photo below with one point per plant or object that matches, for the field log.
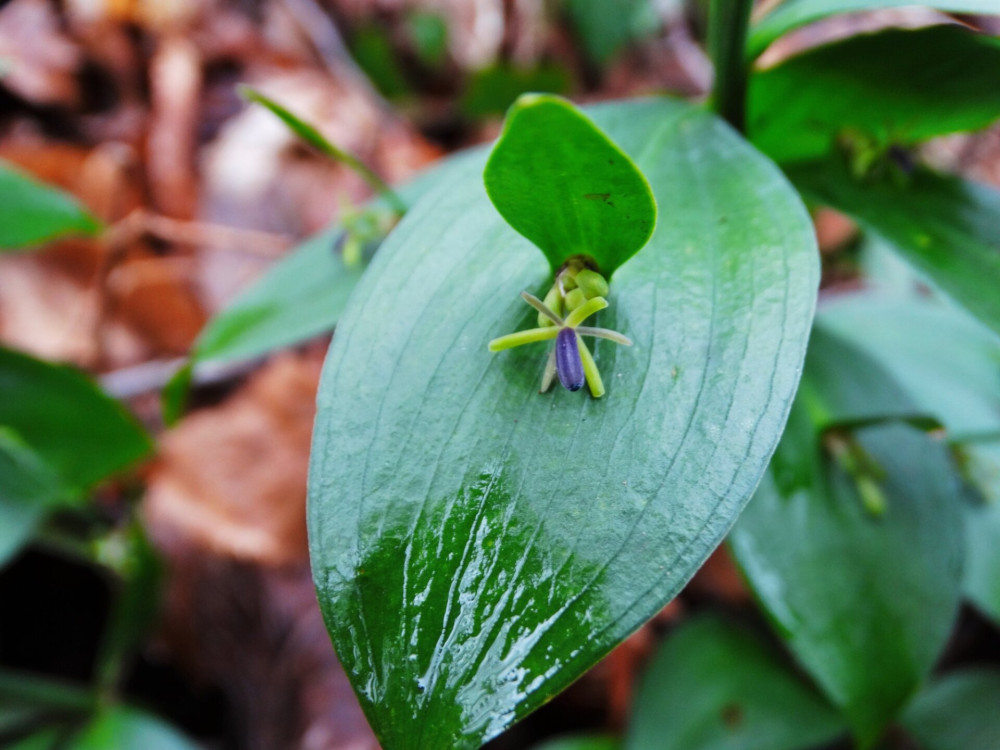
(28, 491)
(948, 364)
(476, 546)
(947, 228)
(882, 87)
(865, 601)
(32, 213)
(80, 433)
(565, 186)
(714, 686)
(957, 711)
(791, 14)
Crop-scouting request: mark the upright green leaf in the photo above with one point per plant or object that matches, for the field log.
(560, 182)
(476, 546)
(865, 601)
(82, 434)
(28, 491)
(883, 88)
(714, 686)
(945, 227)
(957, 711)
(791, 14)
(32, 213)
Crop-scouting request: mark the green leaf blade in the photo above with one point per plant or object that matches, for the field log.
(957, 711)
(799, 109)
(948, 229)
(28, 491)
(81, 433)
(791, 14)
(865, 602)
(714, 686)
(476, 546)
(32, 213)
(560, 182)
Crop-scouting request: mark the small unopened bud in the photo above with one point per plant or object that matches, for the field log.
(554, 302)
(591, 283)
(574, 299)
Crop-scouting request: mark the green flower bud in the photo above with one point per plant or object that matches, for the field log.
(554, 301)
(591, 283)
(574, 299)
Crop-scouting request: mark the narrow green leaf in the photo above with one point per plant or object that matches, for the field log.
(125, 728)
(581, 742)
(883, 88)
(714, 686)
(476, 545)
(864, 601)
(318, 141)
(791, 14)
(46, 739)
(82, 434)
(300, 297)
(563, 184)
(27, 700)
(28, 491)
(945, 227)
(32, 213)
(957, 711)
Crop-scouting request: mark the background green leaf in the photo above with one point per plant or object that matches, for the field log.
(125, 728)
(476, 546)
(28, 491)
(715, 686)
(864, 602)
(32, 213)
(791, 14)
(605, 28)
(560, 182)
(957, 711)
(945, 227)
(883, 86)
(949, 365)
(79, 432)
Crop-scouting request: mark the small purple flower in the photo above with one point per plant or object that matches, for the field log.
(568, 362)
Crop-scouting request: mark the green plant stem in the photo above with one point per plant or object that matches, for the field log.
(728, 23)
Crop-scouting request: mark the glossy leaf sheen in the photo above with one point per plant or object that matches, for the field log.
(714, 686)
(791, 14)
(798, 109)
(946, 228)
(565, 186)
(865, 603)
(957, 711)
(32, 213)
(476, 546)
(82, 434)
